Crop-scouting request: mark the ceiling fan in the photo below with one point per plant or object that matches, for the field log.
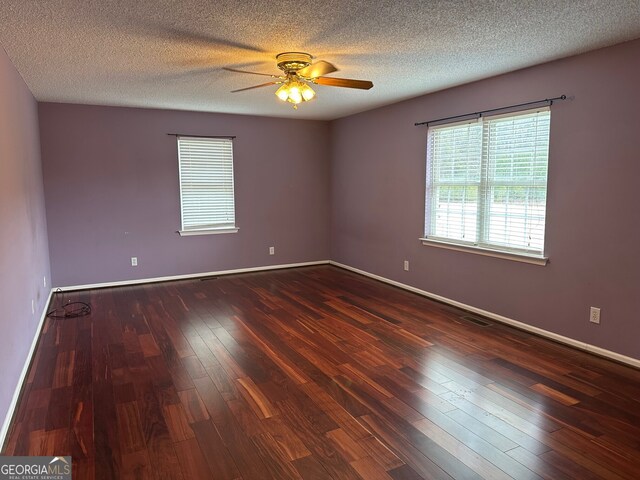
(299, 72)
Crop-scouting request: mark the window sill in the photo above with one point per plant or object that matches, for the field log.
(517, 257)
(207, 231)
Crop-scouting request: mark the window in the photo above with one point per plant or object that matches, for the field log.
(206, 185)
(487, 183)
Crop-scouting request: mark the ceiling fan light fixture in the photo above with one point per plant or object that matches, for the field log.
(295, 91)
(294, 95)
(283, 92)
(307, 92)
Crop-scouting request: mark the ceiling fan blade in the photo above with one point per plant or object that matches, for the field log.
(255, 86)
(252, 73)
(344, 82)
(317, 69)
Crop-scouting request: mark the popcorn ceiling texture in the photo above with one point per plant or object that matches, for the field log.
(169, 54)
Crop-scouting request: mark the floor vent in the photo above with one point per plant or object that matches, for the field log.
(477, 320)
(204, 279)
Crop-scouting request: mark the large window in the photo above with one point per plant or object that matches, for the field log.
(487, 183)
(206, 185)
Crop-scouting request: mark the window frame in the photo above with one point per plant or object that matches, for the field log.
(210, 229)
(481, 245)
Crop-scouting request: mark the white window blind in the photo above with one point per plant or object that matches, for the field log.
(206, 183)
(487, 182)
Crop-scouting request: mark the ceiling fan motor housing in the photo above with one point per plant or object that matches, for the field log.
(291, 62)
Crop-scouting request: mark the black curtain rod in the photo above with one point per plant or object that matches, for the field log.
(201, 136)
(479, 114)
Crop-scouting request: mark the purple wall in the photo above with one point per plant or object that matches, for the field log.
(593, 225)
(24, 257)
(112, 192)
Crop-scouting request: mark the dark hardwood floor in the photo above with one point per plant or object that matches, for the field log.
(316, 373)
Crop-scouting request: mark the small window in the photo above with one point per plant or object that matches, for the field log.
(206, 185)
(487, 182)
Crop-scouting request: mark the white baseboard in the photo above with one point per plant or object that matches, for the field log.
(190, 275)
(634, 362)
(25, 370)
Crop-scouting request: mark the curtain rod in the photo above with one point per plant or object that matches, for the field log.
(201, 136)
(479, 114)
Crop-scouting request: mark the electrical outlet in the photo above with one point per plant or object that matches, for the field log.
(134, 261)
(44, 281)
(33, 307)
(406, 265)
(272, 250)
(594, 315)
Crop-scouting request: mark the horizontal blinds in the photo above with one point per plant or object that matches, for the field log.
(487, 181)
(516, 153)
(206, 182)
(454, 175)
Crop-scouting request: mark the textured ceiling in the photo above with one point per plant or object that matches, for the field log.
(169, 54)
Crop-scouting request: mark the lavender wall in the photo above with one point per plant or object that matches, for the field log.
(112, 192)
(24, 257)
(593, 226)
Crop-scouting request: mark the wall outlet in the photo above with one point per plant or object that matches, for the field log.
(33, 307)
(44, 281)
(272, 250)
(134, 261)
(406, 265)
(594, 315)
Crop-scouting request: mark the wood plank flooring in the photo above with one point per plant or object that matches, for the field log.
(316, 373)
